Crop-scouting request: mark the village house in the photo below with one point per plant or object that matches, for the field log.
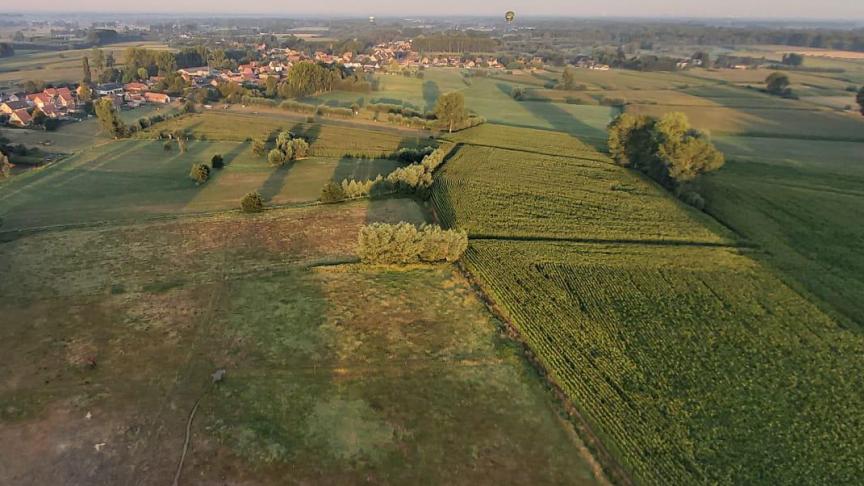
(20, 118)
(136, 88)
(107, 89)
(9, 107)
(160, 98)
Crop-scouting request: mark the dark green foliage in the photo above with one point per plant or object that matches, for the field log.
(793, 59)
(87, 78)
(450, 110)
(406, 243)
(860, 99)
(109, 119)
(332, 192)
(252, 203)
(217, 161)
(199, 173)
(778, 84)
(668, 150)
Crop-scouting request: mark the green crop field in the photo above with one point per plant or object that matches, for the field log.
(526, 139)
(690, 359)
(693, 364)
(335, 374)
(801, 201)
(493, 192)
(131, 179)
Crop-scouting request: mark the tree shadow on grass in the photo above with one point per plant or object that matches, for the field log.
(307, 131)
(431, 92)
(275, 181)
(561, 120)
(362, 169)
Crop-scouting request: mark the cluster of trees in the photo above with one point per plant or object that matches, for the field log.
(416, 178)
(309, 79)
(667, 149)
(6, 49)
(288, 148)
(404, 243)
(200, 173)
(778, 84)
(793, 59)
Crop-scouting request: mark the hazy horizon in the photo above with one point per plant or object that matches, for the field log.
(843, 10)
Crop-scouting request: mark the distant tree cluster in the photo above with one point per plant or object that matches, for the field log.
(405, 243)
(288, 148)
(793, 59)
(778, 84)
(6, 49)
(668, 149)
(457, 42)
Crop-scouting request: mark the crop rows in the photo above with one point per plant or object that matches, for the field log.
(527, 139)
(693, 364)
(504, 193)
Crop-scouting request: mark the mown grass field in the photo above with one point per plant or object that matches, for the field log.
(693, 360)
(132, 179)
(326, 139)
(337, 374)
(501, 193)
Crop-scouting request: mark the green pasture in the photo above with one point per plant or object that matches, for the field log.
(131, 179)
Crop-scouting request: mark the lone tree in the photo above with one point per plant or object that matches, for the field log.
(450, 110)
(217, 161)
(860, 99)
(568, 78)
(778, 84)
(88, 77)
(199, 173)
(252, 203)
(109, 119)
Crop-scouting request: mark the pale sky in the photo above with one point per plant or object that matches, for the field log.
(802, 9)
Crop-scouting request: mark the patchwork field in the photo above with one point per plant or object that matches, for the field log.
(334, 374)
(57, 66)
(689, 358)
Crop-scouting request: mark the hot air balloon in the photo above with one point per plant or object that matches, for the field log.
(509, 16)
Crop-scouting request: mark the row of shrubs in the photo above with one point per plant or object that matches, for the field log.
(405, 243)
(415, 178)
